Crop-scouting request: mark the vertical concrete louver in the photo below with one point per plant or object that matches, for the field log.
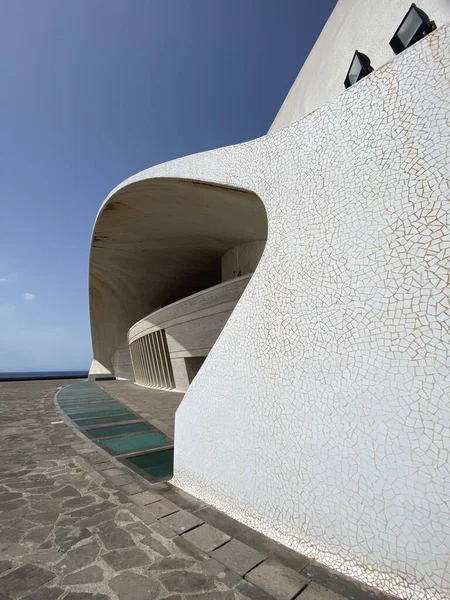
(151, 361)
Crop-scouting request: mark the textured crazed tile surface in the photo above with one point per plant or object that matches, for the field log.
(321, 415)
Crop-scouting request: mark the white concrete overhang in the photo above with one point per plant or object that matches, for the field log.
(155, 241)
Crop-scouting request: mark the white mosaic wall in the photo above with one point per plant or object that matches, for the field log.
(321, 416)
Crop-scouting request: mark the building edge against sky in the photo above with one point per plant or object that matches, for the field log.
(364, 25)
(319, 415)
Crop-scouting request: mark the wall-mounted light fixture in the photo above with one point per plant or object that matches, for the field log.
(414, 27)
(359, 68)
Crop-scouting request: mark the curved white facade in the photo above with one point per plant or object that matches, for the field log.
(364, 25)
(320, 416)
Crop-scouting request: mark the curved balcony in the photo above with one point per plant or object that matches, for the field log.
(169, 346)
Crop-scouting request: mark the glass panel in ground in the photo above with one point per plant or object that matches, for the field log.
(105, 420)
(156, 464)
(101, 413)
(82, 392)
(101, 432)
(89, 408)
(132, 443)
(83, 399)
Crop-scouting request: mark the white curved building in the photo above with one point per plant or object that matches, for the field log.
(320, 415)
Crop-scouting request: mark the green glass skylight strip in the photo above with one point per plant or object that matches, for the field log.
(105, 420)
(162, 471)
(89, 409)
(101, 413)
(144, 441)
(87, 402)
(101, 432)
(152, 459)
(82, 397)
(156, 464)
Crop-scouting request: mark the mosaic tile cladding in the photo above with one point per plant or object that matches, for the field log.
(321, 415)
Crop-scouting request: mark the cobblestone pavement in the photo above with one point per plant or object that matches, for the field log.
(76, 525)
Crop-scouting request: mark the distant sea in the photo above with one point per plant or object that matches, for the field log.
(42, 375)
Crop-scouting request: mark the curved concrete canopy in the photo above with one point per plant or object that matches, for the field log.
(158, 240)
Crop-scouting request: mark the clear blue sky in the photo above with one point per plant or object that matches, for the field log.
(96, 90)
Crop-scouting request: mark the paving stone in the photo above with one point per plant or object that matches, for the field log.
(177, 496)
(162, 508)
(154, 545)
(144, 498)
(101, 517)
(8, 534)
(80, 557)
(121, 480)
(248, 590)
(68, 491)
(314, 591)
(85, 596)
(277, 580)
(113, 472)
(162, 530)
(114, 537)
(90, 511)
(78, 502)
(37, 535)
(19, 524)
(46, 518)
(171, 564)
(47, 557)
(5, 565)
(334, 581)
(96, 459)
(238, 557)
(120, 560)
(217, 595)
(188, 548)
(206, 537)
(102, 467)
(229, 578)
(186, 582)
(131, 488)
(45, 593)
(14, 504)
(131, 586)
(44, 505)
(143, 514)
(92, 574)
(221, 521)
(181, 521)
(14, 550)
(265, 545)
(214, 567)
(27, 578)
(6, 496)
(67, 537)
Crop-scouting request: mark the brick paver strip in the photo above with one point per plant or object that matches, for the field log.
(238, 557)
(145, 498)
(314, 591)
(113, 472)
(276, 579)
(131, 488)
(162, 508)
(265, 545)
(181, 521)
(206, 537)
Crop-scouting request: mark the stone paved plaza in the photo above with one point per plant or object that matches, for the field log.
(75, 524)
